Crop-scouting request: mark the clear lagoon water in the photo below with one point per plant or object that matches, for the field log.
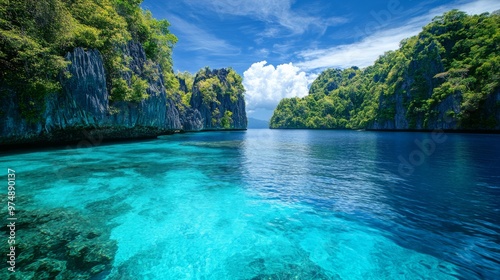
(282, 204)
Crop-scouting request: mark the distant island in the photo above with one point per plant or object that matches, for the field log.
(447, 77)
(88, 70)
(256, 123)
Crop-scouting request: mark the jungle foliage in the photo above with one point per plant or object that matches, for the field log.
(455, 55)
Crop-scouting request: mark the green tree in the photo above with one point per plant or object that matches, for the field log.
(36, 35)
(465, 47)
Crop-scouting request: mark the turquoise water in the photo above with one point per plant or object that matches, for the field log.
(282, 204)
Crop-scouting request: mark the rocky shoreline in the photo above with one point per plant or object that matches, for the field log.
(84, 106)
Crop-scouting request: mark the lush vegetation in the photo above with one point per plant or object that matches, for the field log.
(212, 88)
(186, 89)
(217, 87)
(456, 56)
(36, 35)
(211, 85)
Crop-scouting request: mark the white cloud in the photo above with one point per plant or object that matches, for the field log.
(364, 52)
(266, 85)
(361, 54)
(273, 12)
(197, 39)
(472, 7)
(262, 52)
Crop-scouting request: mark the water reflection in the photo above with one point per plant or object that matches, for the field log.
(448, 207)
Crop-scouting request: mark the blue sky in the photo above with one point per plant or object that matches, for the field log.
(280, 46)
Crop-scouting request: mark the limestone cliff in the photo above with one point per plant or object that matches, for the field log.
(422, 70)
(219, 100)
(84, 108)
(446, 77)
(431, 111)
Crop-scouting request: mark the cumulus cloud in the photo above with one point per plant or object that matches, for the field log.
(266, 85)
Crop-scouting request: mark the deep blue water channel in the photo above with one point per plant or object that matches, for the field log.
(284, 204)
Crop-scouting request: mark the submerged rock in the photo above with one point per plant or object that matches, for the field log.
(59, 244)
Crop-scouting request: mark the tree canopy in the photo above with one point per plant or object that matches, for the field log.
(456, 54)
(35, 35)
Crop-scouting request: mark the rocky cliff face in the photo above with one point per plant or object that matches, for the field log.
(423, 71)
(156, 112)
(83, 103)
(442, 114)
(419, 82)
(446, 77)
(224, 109)
(83, 108)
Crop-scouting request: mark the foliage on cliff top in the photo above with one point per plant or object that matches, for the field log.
(35, 36)
(456, 54)
(180, 88)
(214, 88)
(218, 82)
